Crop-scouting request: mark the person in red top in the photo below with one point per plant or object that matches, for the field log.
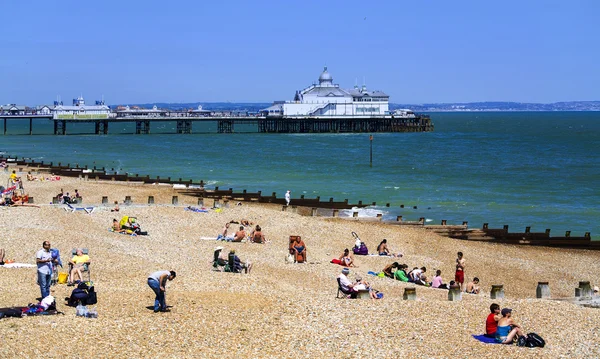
(491, 323)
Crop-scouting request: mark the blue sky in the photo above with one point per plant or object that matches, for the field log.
(260, 51)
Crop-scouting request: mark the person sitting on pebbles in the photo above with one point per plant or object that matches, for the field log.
(347, 259)
(239, 265)
(507, 328)
(383, 250)
(239, 235)
(257, 235)
(390, 269)
(473, 286)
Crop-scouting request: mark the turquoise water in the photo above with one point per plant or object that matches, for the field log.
(537, 169)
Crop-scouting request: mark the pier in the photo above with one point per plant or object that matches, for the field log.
(225, 122)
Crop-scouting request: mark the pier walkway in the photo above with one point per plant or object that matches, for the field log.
(226, 123)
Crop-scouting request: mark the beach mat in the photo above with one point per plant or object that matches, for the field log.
(482, 338)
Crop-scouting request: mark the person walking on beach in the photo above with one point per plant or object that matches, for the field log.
(157, 281)
(44, 261)
(287, 197)
(459, 276)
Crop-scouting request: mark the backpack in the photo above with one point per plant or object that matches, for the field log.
(534, 341)
(92, 297)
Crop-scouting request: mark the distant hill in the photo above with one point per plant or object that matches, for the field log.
(426, 107)
(502, 106)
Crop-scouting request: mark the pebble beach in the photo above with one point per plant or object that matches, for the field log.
(279, 310)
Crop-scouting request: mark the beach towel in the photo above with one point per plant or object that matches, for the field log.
(18, 265)
(482, 338)
(196, 209)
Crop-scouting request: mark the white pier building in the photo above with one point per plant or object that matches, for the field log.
(329, 100)
(79, 110)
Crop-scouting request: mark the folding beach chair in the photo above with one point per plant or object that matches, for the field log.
(86, 267)
(218, 262)
(88, 210)
(346, 293)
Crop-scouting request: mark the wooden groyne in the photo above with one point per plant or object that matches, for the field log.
(314, 206)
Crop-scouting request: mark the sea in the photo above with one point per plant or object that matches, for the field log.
(536, 169)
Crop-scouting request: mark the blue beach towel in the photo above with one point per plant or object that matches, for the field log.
(196, 209)
(482, 338)
(372, 273)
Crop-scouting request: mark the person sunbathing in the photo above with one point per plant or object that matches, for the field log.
(116, 227)
(347, 259)
(78, 262)
(257, 235)
(299, 250)
(383, 250)
(239, 235)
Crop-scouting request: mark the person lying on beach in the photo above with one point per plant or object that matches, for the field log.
(246, 223)
(508, 328)
(383, 250)
(389, 270)
(239, 235)
(473, 286)
(347, 259)
(257, 235)
(116, 227)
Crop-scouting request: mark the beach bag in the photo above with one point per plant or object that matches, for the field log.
(535, 341)
(336, 261)
(522, 342)
(92, 297)
(361, 250)
(62, 277)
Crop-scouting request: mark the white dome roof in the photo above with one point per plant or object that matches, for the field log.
(325, 76)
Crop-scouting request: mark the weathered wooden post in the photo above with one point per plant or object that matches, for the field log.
(201, 202)
(497, 291)
(336, 212)
(444, 222)
(217, 203)
(454, 293)
(542, 290)
(175, 200)
(30, 200)
(54, 200)
(379, 216)
(354, 214)
(398, 218)
(585, 290)
(284, 208)
(104, 199)
(150, 199)
(410, 293)
(313, 212)
(226, 202)
(128, 200)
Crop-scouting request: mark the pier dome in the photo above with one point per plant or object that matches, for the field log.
(325, 78)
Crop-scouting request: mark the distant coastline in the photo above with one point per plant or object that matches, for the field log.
(490, 106)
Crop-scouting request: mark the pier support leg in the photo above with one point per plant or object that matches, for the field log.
(30, 126)
(60, 127)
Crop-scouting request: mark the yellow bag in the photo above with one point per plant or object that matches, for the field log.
(62, 277)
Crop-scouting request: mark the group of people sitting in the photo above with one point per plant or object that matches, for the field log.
(244, 233)
(67, 198)
(500, 325)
